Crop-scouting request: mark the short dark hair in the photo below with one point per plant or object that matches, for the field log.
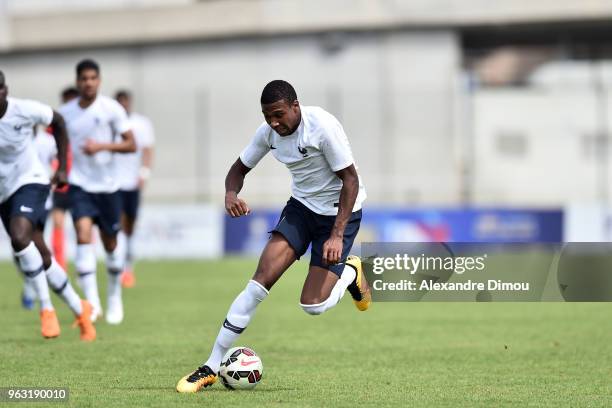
(85, 65)
(278, 90)
(2, 79)
(123, 93)
(70, 92)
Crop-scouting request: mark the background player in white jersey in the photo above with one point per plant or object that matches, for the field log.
(93, 121)
(324, 210)
(24, 188)
(61, 202)
(134, 170)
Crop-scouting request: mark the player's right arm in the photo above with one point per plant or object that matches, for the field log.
(60, 179)
(126, 145)
(250, 156)
(42, 114)
(234, 181)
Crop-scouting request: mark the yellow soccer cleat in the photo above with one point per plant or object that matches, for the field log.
(202, 377)
(359, 289)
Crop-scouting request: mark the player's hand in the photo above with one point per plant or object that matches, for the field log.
(91, 147)
(332, 250)
(60, 179)
(235, 206)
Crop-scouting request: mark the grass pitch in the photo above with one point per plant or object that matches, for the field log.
(395, 354)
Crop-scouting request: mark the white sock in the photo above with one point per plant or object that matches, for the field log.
(115, 262)
(28, 288)
(238, 317)
(31, 264)
(129, 251)
(114, 284)
(85, 263)
(89, 285)
(59, 283)
(348, 276)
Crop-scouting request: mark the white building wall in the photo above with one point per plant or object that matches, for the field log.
(559, 161)
(392, 91)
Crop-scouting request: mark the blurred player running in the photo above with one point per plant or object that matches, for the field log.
(324, 210)
(92, 121)
(24, 188)
(46, 150)
(134, 170)
(61, 203)
(58, 200)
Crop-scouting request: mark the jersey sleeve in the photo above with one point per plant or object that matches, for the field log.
(119, 118)
(257, 149)
(335, 146)
(40, 113)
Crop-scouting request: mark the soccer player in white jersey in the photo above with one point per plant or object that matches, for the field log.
(93, 121)
(324, 210)
(24, 188)
(134, 170)
(57, 201)
(46, 150)
(61, 202)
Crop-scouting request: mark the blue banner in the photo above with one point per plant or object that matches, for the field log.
(248, 235)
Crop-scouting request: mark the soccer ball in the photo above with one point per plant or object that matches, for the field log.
(241, 369)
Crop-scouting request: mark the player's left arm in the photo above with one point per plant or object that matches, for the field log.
(332, 248)
(148, 146)
(58, 126)
(145, 165)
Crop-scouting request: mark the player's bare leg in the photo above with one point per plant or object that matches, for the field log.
(114, 266)
(318, 285)
(85, 263)
(323, 289)
(128, 278)
(276, 258)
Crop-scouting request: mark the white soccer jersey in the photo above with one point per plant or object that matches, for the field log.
(317, 149)
(19, 163)
(128, 165)
(102, 121)
(46, 149)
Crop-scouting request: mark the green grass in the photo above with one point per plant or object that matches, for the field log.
(396, 354)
